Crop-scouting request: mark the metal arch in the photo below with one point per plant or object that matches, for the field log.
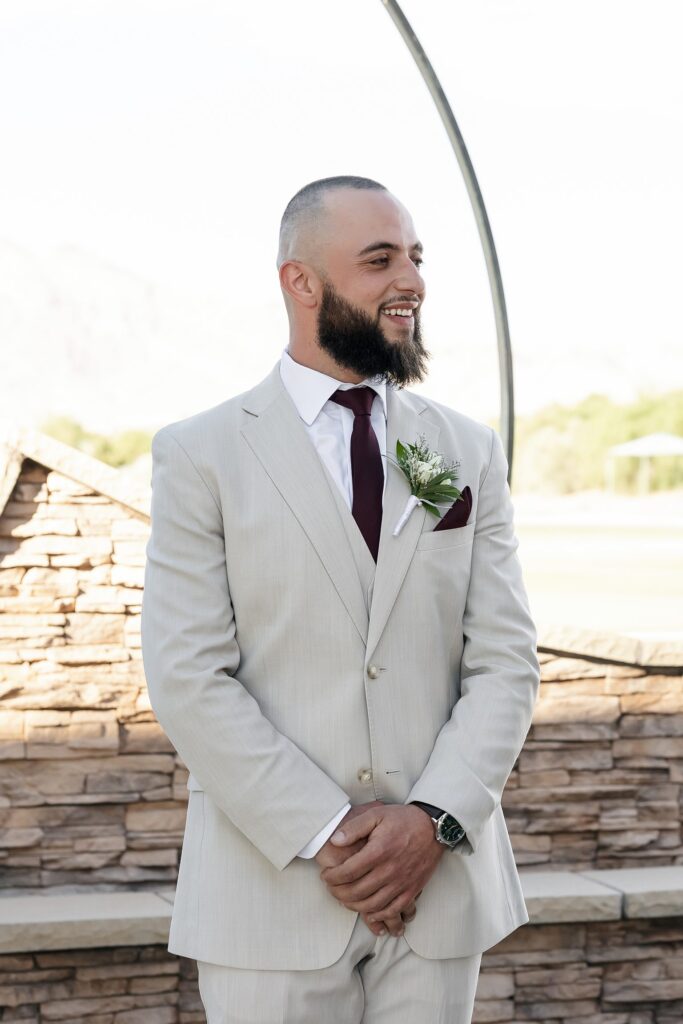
(507, 403)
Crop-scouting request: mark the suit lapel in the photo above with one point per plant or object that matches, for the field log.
(279, 440)
(404, 421)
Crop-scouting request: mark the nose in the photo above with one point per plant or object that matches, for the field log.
(409, 278)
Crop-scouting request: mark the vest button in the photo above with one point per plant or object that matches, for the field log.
(373, 671)
(365, 775)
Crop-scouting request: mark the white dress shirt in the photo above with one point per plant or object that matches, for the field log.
(329, 426)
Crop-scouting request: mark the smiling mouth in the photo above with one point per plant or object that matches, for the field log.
(402, 316)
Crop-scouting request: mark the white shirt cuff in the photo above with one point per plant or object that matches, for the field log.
(317, 842)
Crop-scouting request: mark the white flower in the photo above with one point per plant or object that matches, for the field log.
(423, 469)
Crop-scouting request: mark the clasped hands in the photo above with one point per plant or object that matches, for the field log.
(378, 861)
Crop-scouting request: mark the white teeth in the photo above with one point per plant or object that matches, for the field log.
(398, 312)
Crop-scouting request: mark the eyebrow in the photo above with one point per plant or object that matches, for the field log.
(417, 247)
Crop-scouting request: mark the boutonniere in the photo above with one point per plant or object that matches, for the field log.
(429, 476)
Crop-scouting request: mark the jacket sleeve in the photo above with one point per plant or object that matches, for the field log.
(266, 785)
(476, 749)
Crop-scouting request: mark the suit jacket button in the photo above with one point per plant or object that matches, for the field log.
(373, 671)
(365, 775)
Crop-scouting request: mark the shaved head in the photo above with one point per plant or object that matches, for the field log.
(302, 227)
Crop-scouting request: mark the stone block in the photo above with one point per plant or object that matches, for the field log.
(49, 544)
(583, 709)
(81, 920)
(495, 1011)
(495, 985)
(643, 991)
(587, 758)
(557, 896)
(552, 778)
(128, 576)
(575, 732)
(37, 526)
(655, 747)
(151, 858)
(105, 781)
(155, 818)
(19, 558)
(144, 737)
(103, 599)
(130, 529)
(87, 654)
(11, 725)
(20, 837)
(86, 628)
(648, 892)
(545, 1012)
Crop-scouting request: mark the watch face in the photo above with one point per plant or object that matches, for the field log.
(450, 830)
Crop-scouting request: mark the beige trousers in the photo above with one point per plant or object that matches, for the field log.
(378, 980)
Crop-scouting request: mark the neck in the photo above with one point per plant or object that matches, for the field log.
(315, 358)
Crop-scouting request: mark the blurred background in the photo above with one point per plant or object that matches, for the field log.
(149, 150)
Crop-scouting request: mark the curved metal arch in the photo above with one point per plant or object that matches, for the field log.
(507, 403)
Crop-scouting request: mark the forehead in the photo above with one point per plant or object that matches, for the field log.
(358, 217)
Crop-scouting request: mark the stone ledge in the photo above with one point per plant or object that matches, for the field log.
(610, 648)
(554, 897)
(79, 921)
(83, 920)
(647, 892)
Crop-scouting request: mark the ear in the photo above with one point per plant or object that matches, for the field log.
(300, 282)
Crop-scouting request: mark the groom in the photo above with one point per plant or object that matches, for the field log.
(349, 701)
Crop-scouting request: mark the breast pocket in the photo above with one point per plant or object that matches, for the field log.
(438, 540)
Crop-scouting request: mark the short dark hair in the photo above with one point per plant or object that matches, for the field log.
(309, 199)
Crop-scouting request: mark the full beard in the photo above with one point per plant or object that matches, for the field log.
(357, 342)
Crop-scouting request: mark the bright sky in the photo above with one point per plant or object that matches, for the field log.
(166, 138)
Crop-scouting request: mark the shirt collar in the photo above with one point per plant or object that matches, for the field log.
(310, 389)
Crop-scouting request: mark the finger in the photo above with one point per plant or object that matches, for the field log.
(363, 888)
(356, 866)
(355, 828)
(375, 905)
(395, 925)
(376, 927)
(395, 906)
(409, 913)
(332, 856)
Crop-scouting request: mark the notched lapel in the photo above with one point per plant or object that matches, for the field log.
(280, 442)
(395, 553)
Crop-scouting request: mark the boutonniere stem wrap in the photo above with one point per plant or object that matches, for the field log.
(430, 478)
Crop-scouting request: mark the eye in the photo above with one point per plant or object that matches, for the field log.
(418, 261)
(381, 259)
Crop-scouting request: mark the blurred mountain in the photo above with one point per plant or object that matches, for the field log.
(84, 338)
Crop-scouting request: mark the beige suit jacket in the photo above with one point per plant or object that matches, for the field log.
(288, 685)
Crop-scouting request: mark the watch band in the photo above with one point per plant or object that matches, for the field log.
(436, 813)
(432, 811)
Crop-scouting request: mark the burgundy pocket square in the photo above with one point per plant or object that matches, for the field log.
(458, 513)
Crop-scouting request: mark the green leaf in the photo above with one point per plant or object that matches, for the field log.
(443, 492)
(447, 474)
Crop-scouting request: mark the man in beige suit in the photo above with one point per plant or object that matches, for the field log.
(349, 699)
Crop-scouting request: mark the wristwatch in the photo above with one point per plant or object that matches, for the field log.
(447, 830)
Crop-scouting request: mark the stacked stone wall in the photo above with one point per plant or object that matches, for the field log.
(598, 783)
(599, 973)
(93, 793)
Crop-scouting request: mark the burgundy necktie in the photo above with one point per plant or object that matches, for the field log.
(367, 474)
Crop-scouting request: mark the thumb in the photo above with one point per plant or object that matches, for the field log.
(354, 829)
